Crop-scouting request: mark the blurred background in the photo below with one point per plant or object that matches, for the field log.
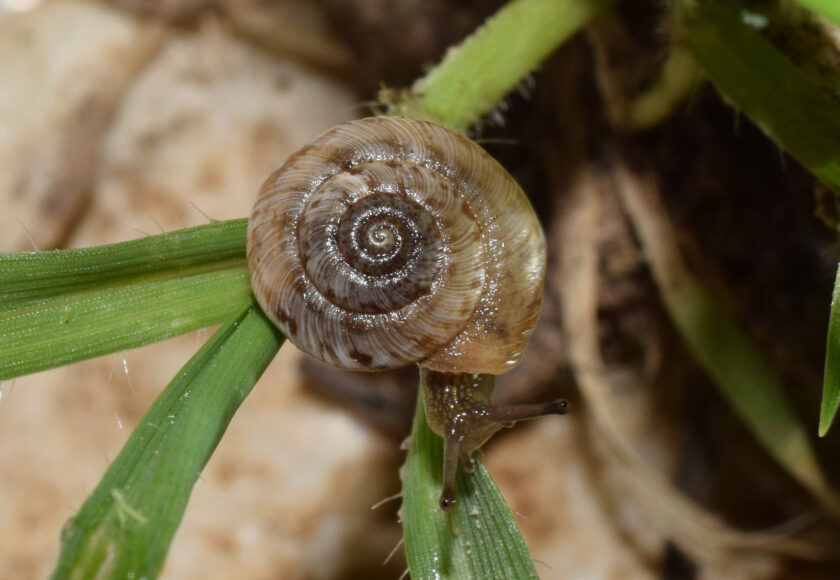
(129, 118)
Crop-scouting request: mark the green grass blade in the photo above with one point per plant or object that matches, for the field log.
(71, 327)
(477, 74)
(29, 275)
(744, 377)
(64, 306)
(760, 81)
(478, 539)
(831, 380)
(829, 9)
(125, 527)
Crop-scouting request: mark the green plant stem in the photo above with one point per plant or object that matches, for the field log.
(484, 68)
(680, 76)
(124, 528)
(829, 9)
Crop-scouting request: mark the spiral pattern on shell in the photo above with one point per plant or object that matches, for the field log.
(387, 241)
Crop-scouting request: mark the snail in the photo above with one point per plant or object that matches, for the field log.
(388, 241)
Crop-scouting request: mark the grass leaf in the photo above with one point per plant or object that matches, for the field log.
(831, 380)
(125, 527)
(65, 306)
(30, 275)
(478, 539)
(759, 80)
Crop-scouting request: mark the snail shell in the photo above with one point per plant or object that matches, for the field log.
(388, 241)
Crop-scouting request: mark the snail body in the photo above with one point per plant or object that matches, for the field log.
(388, 241)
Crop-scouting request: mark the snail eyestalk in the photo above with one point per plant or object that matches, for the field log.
(458, 408)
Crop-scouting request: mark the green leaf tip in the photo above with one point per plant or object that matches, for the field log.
(831, 379)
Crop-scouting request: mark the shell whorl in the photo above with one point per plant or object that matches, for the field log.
(387, 241)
